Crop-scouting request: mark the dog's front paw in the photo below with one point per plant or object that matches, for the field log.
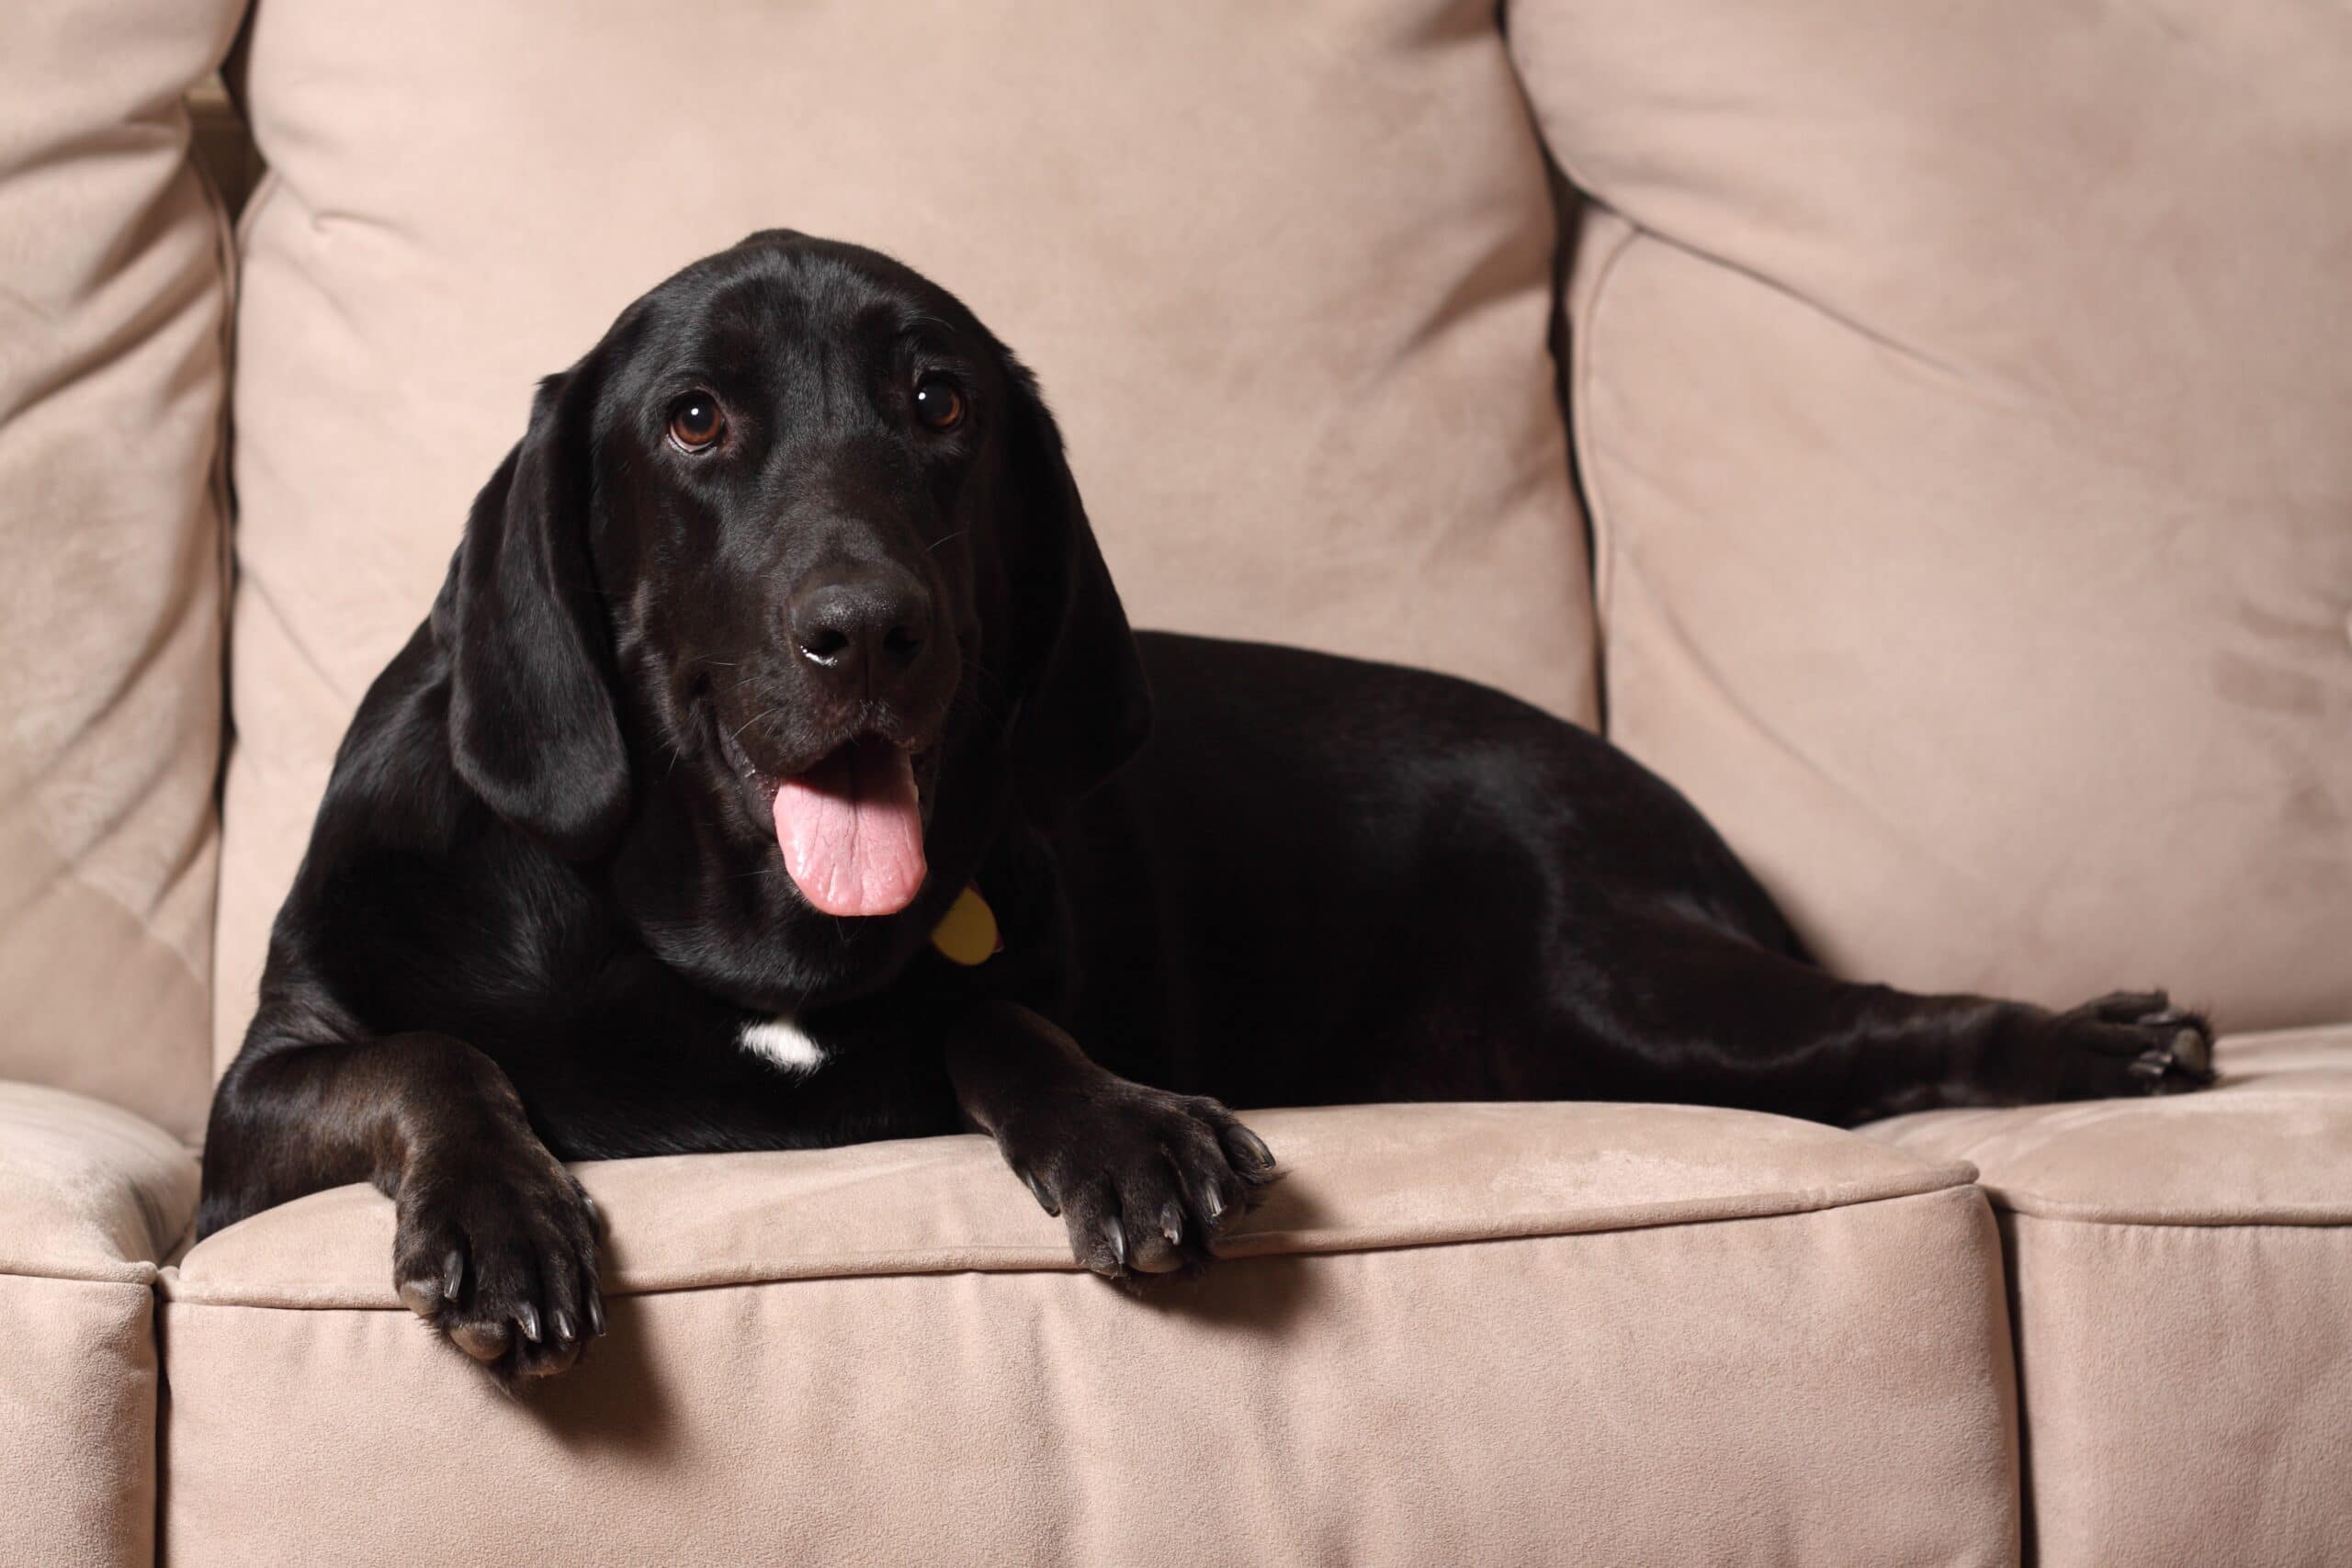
(1144, 1179)
(496, 1249)
(2132, 1042)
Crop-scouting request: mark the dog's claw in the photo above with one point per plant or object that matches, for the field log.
(526, 1318)
(1172, 1223)
(1116, 1234)
(1251, 1148)
(564, 1328)
(1044, 1199)
(595, 1312)
(453, 1274)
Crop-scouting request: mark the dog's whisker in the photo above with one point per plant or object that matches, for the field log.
(752, 720)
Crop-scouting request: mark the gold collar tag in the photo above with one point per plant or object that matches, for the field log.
(967, 934)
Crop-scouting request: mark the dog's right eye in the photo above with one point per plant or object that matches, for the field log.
(695, 422)
(939, 403)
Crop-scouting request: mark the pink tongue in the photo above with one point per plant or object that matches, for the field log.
(851, 832)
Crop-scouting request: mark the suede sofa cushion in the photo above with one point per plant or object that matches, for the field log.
(1284, 274)
(2180, 1270)
(91, 1196)
(112, 385)
(1473, 1334)
(1960, 397)
(87, 1190)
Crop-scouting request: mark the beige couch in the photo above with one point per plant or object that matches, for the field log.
(1923, 432)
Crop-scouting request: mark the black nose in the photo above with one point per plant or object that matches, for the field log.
(864, 627)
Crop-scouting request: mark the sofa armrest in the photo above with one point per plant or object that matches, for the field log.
(92, 1198)
(87, 1190)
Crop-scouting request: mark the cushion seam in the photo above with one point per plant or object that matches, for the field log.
(1581, 325)
(2058, 1212)
(1935, 1181)
(143, 1275)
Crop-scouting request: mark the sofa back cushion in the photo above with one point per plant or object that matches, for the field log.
(1284, 271)
(112, 381)
(1963, 398)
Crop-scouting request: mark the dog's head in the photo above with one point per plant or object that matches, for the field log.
(798, 524)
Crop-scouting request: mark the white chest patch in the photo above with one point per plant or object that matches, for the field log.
(782, 1042)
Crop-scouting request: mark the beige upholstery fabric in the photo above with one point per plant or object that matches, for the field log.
(90, 1197)
(88, 1191)
(2182, 1279)
(1498, 1334)
(1290, 299)
(113, 299)
(1961, 396)
(2271, 1144)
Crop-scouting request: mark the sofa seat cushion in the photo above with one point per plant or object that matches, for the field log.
(1452, 1332)
(91, 1196)
(2182, 1274)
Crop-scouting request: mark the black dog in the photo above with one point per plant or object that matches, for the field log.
(781, 628)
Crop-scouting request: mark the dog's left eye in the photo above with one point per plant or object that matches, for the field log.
(939, 403)
(695, 422)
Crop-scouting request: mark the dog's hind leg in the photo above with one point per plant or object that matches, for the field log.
(1677, 1009)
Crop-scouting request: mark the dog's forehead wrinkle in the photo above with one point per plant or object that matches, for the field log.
(820, 335)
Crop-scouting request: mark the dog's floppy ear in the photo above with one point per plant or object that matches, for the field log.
(1082, 709)
(532, 721)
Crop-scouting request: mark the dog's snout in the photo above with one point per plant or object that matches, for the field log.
(864, 626)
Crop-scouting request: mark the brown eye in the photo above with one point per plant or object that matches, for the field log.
(939, 403)
(696, 423)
